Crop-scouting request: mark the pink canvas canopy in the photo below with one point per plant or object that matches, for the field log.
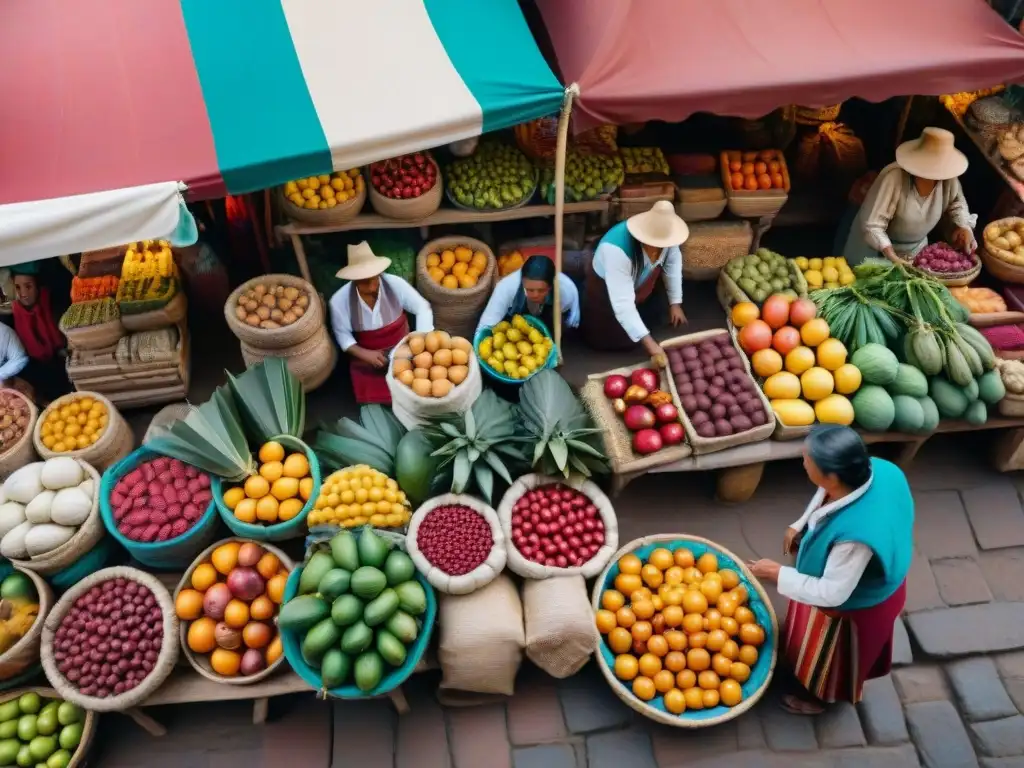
(638, 60)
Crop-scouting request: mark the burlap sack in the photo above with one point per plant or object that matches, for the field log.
(481, 638)
(414, 411)
(560, 630)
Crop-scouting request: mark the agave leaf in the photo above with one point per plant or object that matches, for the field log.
(470, 424)
(580, 465)
(381, 421)
(270, 400)
(582, 447)
(449, 429)
(460, 475)
(347, 427)
(350, 452)
(559, 452)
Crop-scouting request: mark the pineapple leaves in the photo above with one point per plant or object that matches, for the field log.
(484, 480)
(270, 400)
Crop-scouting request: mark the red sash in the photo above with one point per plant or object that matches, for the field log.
(369, 384)
(647, 286)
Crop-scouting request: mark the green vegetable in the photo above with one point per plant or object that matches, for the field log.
(335, 668)
(381, 609)
(873, 409)
(909, 381)
(368, 582)
(334, 583)
(9, 751)
(46, 723)
(345, 551)
(373, 550)
(877, 364)
(403, 626)
(369, 669)
(70, 736)
(302, 612)
(950, 400)
(24, 758)
(356, 638)
(42, 747)
(398, 567)
(27, 728)
(924, 351)
(9, 729)
(909, 416)
(979, 343)
(16, 586)
(957, 367)
(412, 597)
(347, 609)
(9, 710)
(972, 390)
(976, 413)
(270, 400)
(415, 468)
(318, 639)
(931, 414)
(30, 703)
(68, 713)
(390, 648)
(319, 564)
(991, 388)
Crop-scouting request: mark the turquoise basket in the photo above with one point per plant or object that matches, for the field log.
(391, 680)
(173, 553)
(759, 603)
(289, 529)
(537, 323)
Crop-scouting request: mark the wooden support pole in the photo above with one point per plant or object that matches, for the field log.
(571, 92)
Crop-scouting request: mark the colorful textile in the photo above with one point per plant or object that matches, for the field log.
(370, 384)
(37, 328)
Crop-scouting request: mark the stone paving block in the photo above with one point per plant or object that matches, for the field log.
(422, 740)
(364, 733)
(1004, 572)
(961, 581)
(1002, 762)
(922, 591)
(545, 756)
(875, 757)
(765, 525)
(1001, 738)
(680, 747)
(881, 714)
(979, 690)
(940, 736)
(920, 683)
(749, 731)
(1011, 670)
(969, 629)
(994, 512)
(786, 732)
(940, 525)
(301, 734)
(588, 703)
(479, 737)
(902, 654)
(534, 713)
(616, 749)
(839, 727)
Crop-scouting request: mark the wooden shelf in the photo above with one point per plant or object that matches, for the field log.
(995, 161)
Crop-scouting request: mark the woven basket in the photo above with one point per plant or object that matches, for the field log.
(523, 201)
(114, 444)
(1012, 405)
(712, 245)
(953, 280)
(700, 211)
(752, 204)
(412, 209)
(325, 217)
(760, 603)
(704, 445)
(166, 659)
(88, 535)
(172, 313)
(276, 338)
(200, 662)
(818, 115)
(312, 360)
(616, 439)
(456, 310)
(24, 654)
(23, 451)
(78, 759)
(1002, 270)
(97, 336)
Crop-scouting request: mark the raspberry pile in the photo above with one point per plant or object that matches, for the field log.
(160, 500)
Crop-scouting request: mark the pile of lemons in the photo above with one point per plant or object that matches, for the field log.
(459, 267)
(515, 349)
(73, 425)
(326, 190)
(829, 272)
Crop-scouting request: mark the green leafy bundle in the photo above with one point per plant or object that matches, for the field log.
(270, 400)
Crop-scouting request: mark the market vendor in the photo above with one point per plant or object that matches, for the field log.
(40, 335)
(907, 199)
(853, 545)
(368, 317)
(530, 291)
(628, 264)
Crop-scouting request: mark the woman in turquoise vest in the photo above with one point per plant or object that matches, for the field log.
(853, 549)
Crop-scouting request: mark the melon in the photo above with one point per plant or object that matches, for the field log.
(931, 414)
(816, 383)
(909, 414)
(873, 408)
(877, 364)
(950, 400)
(793, 413)
(909, 381)
(991, 388)
(782, 386)
(834, 409)
(976, 413)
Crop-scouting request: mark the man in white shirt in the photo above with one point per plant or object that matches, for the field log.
(13, 357)
(368, 318)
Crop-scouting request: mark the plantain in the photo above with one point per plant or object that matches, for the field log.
(957, 368)
(979, 344)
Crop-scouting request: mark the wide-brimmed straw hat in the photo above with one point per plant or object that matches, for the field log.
(660, 227)
(363, 263)
(933, 156)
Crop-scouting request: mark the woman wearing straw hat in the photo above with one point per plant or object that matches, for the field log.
(908, 198)
(854, 545)
(368, 317)
(628, 263)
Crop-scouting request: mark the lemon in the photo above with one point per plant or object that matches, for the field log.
(514, 334)
(271, 471)
(815, 263)
(285, 488)
(256, 487)
(830, 274)
(232, 496)
(296, 466)
(271, 451)
(846, 278)
(813, 277)
(801, 262)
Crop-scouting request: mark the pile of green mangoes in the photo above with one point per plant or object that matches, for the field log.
(39, 733)
(761, 274)
(495, 176)
(587, 176)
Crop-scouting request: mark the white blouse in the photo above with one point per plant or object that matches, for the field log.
(504, 293)
(845, 565)
(341, 317)
(612, 265)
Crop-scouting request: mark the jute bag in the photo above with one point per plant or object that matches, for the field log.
(560, 630)
(456, 310)
(413, 410)
(482, 639)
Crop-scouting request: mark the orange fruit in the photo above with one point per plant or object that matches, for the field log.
(721, 665)
(698, 639)
(764, 181)
(652, 576)
(730, 650)
(727, 604)
(676, 640)
(741, 314)
(736, 180)
(692, 575)
(625, 617)
(664, 681)
(716, 640)
(708, 680)
(748, 655)
(695, 602)
(640, 594)
(650, 665)
(744, 615)
(625, 667)
(612, 600)
(740, 593)
(657, 645)
(619, 640)
(730, 693)
(711, 589)
(605, 621)
(686, 678)
(275, 587)
(747, 168)
(673, 576)
(200, 636)
(274, 650)
(730, 579)
(658, 603)
(751, 634)
(815, 331)
(698, 659)
(225, 557)
(630, 564)
(740, 672)
(225, 662)
(674, 661)
(204, 576)
(188, 605)
(642, 631)
(661, 559)
(778, 180)
(643, 609)
(730, 625)
(760, 167)
(268, 565)
(694, 698)
(766, 362)
(683, 557)
(800, 359)
(262, 608)
(643, 688)
(675, 702)
(257, 634)
(236, 614)
(750, 183)
(693, 622)
(673, 615)
(712, 620)
(707, 563)
(709, 698)
(628, 583)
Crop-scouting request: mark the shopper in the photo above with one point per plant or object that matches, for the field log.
(368, 317)
(853, 546)
(628, 263)
(12, 356)
(40, 336)
(907, 199)
(530, 291)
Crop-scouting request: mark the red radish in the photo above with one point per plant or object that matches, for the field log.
(556, 526)
(405, 177)
(775, 311)
(638, 417)
(802, 310)
(671, 434)
(666, 413)
(646, 378)
(615, 386)
(786, 339)
(647, 441)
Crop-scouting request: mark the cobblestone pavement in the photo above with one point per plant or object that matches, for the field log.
(955, 698)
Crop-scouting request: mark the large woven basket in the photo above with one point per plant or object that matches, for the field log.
(88, 535)
(23, 451)
(412, 209)
(166, 658)
(1011, 406)
(201, 662)
(114, 444)
(999, 268)
(712, 245)
(78, 758)
(312, 360)
(456, 310)
(276, 338)
(24, 654)
(323, 217)
(760, 603)
(704, 445)
(171, 313)
(97, 336)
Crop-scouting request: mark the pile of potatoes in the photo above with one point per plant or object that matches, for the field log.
(431, 364)
(269, 305)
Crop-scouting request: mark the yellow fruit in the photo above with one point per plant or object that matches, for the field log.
(800, 359)
(813, 332)
(834, 409)
(830, 274)
(813, 278)
(232, 496)
(801, 262)
(782, 385)
(816, 383)
(831, 354)
(847, 379)
(285, 488)
(271, 451)
(266, 509)
(246, 510)
(766, 362)
(451, 282)
(815, 263)
(296, 466)
(306, 488)
(256, 487)
(793, 413)
(289, 508)
(271, 471)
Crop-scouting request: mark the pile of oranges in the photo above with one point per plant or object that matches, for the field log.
(680, 628)
(459, 267)
(752, 171)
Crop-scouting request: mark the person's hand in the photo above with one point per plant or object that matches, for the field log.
(764, 569)
(963, 239)
(676, 316)
(372, 357)
(890, 254)
(790, 541)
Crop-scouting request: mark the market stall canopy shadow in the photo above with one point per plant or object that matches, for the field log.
(234, 96)
(667, 59)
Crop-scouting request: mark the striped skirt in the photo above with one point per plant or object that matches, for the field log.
(832, 653)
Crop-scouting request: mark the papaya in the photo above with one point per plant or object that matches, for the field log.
(415, 468)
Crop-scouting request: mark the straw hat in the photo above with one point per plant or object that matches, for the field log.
(363, 263)
(660, 227)
(932, 156)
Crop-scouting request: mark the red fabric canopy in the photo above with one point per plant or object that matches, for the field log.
(638, 60)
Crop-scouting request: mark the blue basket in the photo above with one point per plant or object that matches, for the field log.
(178, 552)
(760, 673)
(537, 323)
(92, 561)
(289, 529)
(391, 680)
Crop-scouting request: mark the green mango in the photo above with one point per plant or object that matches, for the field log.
(9, 710)
(313, 571)
(46, 723)
(59, 759)
(334, 583)
(345, 551)
(30, 703)
(335, 668)
(27, 728)
(9, 751)
(42, 747)
(68, 713)
(70, 736)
